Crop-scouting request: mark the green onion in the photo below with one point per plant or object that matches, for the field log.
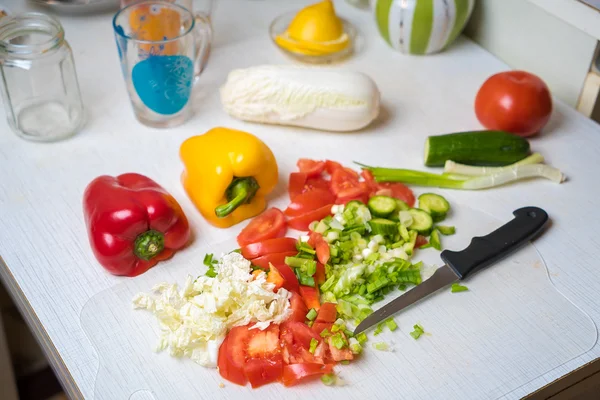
(313, 345)
(381, 346)
(362, 338)
(304, 247)
(307, 280)
(338, 341)
(391, 324)
(461, 169)
(456, 288)
(348, 333)
(321, 227)
(328, 379)
(310, 323)
(446, 230)
(501, 177)
(403, 232)
(335, 328)
(239, 251)
(379, 329)
(418, 331)
(355, 346)
(325, 333)
(345, 362)
(312, 314)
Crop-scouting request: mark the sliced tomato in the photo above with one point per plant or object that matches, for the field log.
(319, 327)
(320, 274)
(273, 258)
(277, 245)
(369, 179)
(296, 184)
(289, 277)
(316, 183)
(331, 166)
(301, 333)
(363, 198)
(399, 191)
(322, 249)
(263, 344)
(344, 354)
(310, 167)
(327, 313)
(302, 222)
(345, 183)
(235, 354)
(421, 241)
(260, 372)
(268, 225)
(265, 363)
(275, 277)
(299, 309)
(309, 201)
(224, 365)
(310, 295)
(296, 373)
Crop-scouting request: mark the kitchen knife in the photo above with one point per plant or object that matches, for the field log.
(481, 252)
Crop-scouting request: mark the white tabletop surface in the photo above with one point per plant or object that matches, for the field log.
(48, 263)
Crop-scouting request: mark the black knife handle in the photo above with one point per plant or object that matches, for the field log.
(486, 250)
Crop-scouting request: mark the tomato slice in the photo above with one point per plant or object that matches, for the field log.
(310, 167)
(277, 245)
(339, 354)
(310, 295)
(344, 183)
(362, 197)
(296, 373)
(316, 183)
(302, 222)
(421, 241)
(235, 354)
(273, 258)
(299, 309)
(296, 184)
(322, 249)
(263, 344)
(309, 201)
(301, 333)
(268, 225)
(331, 166)
(327, 313)
(320, 274)
(260, 372)
(319, 327)
(264, 364)
(290, 280)
(224, 364)
(399, 191)
(369, 179)
(275, 277)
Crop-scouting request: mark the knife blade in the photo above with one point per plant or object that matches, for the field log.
(482, 252)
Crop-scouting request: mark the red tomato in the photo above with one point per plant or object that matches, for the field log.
(363, 198)
(327, 313)
(273, 258)
(290, 281)
(224, 366)
(309, 201)
(320, 274)
(421, 241)
(331, 166)
(514, 101)
(319, 327)
(264, 364)
(310, 167)
(322, 249)
(339, 354)
(299, 309)
(301, 222)
(260, 372)
(301, 333)
(275, 277)
(369, 179)
(268, 225)
(310, 295)
(235, 354)
(345, 183)
(296, 184)
(296, 373)
(277, 245)
(399, 191)
(316, 183)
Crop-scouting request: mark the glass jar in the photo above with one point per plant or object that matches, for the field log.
(39, 83)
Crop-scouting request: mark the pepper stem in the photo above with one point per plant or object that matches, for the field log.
(240, 191)
(149, 244)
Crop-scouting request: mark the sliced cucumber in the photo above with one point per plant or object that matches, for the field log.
(403, 233)
(422, 221)
(434, 240)
(410, 244)
(382, 206)
(446, 230)
(381, 226)
(435, 205)
(353, 204)
(401, 206)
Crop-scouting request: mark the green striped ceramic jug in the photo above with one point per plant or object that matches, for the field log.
(421, 26)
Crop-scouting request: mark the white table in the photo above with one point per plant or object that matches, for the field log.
(48, 265)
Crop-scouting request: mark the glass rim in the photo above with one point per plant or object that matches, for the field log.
(13, 20)
(164, 41)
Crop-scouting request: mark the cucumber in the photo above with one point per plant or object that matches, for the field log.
(435, 205)
(353, 204)
(382, 206)
(381, 226)
(422, 221)
(495, 148)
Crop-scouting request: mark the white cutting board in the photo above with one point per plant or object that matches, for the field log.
(512, 319)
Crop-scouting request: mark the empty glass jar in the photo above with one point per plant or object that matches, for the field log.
(39, 83)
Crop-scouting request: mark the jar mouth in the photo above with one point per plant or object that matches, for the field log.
(188, 21)
(30, 33)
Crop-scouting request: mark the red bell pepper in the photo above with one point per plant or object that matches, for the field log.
(132, 223)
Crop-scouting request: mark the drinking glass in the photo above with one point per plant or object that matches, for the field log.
(163, 48)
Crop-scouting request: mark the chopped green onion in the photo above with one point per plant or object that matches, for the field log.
(379, 329)
(403, 233)
(239, 251)
(328, 379)
(456, 288)
(345, 362)
(418, 331)
(391, 324)
(335, 328)
(310, 323)
(325, 333)
(446, 230)
(354, 346)
(348, 333)
(362, 338)
(304, 247)
(307, 280)
(312, 314)
(313, 345)
(461, 169)
(381, 346)
(338, 341)
(208, 260)
(321, 227)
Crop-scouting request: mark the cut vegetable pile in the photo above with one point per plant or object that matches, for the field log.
(360, 237)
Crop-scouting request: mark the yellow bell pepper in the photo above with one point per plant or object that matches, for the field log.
(227, 174)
